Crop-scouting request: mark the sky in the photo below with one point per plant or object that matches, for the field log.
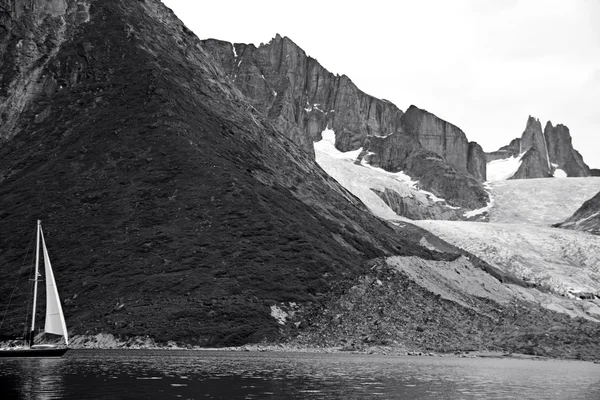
(483, 65)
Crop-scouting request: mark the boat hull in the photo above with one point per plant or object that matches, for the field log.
(41, 353)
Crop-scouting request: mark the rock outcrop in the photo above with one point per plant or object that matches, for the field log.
(561, 152)
(586, 219)
(543, 152)
(438, 136)
(532, 166)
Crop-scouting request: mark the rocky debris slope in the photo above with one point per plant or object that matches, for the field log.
(441, 307)
(543, 153)
(586, 218)
(171, 208)
(303, 99)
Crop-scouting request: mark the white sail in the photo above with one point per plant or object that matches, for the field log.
(55, 320)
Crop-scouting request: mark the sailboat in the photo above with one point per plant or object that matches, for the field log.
(55, 320)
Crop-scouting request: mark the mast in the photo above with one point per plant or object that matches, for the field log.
(35, 281)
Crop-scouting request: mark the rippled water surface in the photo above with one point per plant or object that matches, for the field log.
(144, 374)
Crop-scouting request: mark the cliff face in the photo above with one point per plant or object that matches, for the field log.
(438, 136)
(544, 152)
(301, 97)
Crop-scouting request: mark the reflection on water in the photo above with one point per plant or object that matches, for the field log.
(86, 374)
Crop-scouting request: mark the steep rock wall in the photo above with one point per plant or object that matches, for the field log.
(438, 136)
(301, 97)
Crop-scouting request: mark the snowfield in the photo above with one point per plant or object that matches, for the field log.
(543, 201)
(503, 169)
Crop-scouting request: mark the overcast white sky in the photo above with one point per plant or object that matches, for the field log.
(483, 65)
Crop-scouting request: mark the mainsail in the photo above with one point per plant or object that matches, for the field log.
(55, 320)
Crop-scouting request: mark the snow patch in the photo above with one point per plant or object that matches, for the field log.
(327, 145)
(559, 173)
(234, 52)
(500, 170)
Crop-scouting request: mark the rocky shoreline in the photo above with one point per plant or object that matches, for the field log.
(109, 342)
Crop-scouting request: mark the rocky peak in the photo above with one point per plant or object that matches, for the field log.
(543, 152)
(561, 152)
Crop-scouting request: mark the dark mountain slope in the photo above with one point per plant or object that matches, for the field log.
(171, 208)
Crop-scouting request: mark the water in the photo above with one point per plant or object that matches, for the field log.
(144, 374)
